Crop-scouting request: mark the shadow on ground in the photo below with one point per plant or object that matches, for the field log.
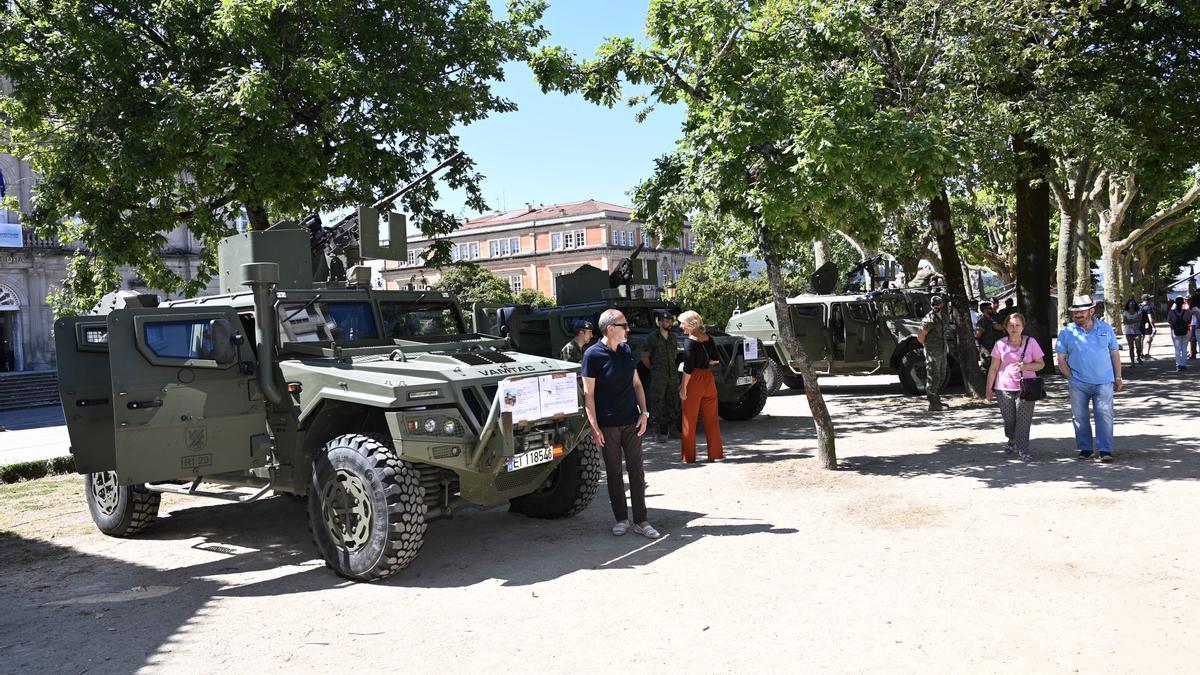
(81, 598)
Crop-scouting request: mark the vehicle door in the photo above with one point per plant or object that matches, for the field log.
(809, 325)
(862, 337)
(185, 403)
(81, 347)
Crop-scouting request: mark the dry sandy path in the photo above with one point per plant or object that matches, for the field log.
(930, 549)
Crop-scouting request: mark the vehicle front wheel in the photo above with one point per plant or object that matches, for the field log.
(569, 488)
(119, 510)
(794, 381)
(747, 407)
(366, 508)
(772, 376)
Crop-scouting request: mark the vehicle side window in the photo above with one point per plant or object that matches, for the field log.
(893, 307)
(859, 311)
(94, 335)
(179, 339)
(807, 311)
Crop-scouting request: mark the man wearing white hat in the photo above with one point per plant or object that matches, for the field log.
(1090, 358)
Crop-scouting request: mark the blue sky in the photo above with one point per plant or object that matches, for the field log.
(557, 148)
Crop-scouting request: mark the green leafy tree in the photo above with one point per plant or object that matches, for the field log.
(141, 117)
(471, 283)
(532, 297)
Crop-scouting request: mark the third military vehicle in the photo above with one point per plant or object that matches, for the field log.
(870, 333)
(377, 406)
(585, 293)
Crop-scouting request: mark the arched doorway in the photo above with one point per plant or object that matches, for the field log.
(10, 329)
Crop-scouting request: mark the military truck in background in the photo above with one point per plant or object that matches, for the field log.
(587, 292)
(377, 406)
(871, 333)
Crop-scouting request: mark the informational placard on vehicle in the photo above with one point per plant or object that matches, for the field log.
(522, 398)
(534, 398)
(750, 348)
(560, 394)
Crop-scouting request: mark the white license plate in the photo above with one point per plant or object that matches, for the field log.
(531, 458)
(745, 379)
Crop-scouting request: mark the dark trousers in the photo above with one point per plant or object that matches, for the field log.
(624, 442)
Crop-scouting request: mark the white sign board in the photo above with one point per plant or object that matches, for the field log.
(535, 398)
(750, 348)
(10, 235)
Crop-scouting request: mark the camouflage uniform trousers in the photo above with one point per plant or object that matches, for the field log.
(935, 373)
(664, 401)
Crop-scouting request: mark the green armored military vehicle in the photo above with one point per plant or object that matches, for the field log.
(584, 294)
(378, 406)
(871, 333)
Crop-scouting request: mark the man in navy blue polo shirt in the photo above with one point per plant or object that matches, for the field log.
(1090, 358)
(616, 410)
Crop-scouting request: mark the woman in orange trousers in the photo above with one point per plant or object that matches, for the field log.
(698, 389)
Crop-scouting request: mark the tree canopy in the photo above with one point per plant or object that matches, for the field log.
(142, 116)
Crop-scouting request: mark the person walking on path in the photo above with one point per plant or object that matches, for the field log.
(698, 389)
(1180, 322)
(613, 397)
(1089, 357)
(933, 336)
(573, 350)
(661, 358)
(1194, 309)
(1148, 329)
(1014, 358)
(1132, 319)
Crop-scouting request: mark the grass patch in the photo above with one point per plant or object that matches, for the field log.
(27, 471)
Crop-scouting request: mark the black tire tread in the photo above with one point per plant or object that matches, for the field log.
(590, 470)
(405, 500)
(746, 408)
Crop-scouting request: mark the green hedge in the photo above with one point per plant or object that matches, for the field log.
(41, 468)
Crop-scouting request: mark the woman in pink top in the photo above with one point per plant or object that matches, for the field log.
(1013, 358)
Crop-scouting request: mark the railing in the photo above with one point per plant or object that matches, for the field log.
(32, 240)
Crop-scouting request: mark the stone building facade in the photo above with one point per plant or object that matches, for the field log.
(530, 246)
(30, 267)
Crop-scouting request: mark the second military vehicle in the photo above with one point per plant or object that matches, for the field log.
(585, 293)
(377, 406)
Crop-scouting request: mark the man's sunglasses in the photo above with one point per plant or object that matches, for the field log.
(620, 325)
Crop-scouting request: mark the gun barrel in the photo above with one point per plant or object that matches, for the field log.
(386, 201)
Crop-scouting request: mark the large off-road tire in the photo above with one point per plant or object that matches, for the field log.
(119, 510)
(772, 376)
(366, 508)
(569, 489)
(793, 381)
(912, 373)
(747, 407)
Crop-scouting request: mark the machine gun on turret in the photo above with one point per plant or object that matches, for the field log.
(355, 237)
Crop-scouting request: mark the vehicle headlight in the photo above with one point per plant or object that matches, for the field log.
(450, 428)
(430, 426)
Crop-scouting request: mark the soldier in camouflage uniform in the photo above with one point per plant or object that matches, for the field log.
(660, 355)
(573, 350)
(933, 336)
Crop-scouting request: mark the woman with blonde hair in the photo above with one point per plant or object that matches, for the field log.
(698, 390)
(1014, 358)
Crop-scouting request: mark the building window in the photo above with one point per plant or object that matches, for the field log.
(469, 251)
(414, 258)
(646, 239)
(502, 247)
(556, 241)
(516, 282)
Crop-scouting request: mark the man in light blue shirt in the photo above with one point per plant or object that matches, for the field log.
(1090, 358)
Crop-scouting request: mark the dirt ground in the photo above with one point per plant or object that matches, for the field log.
(930, 549)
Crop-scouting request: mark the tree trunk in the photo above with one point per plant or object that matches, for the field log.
(826, 451)
(1082, 257)
(257, 215)
(967, 352)
(821, 253)
(1065, 265)
(1110, 262)
(1033, 240)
